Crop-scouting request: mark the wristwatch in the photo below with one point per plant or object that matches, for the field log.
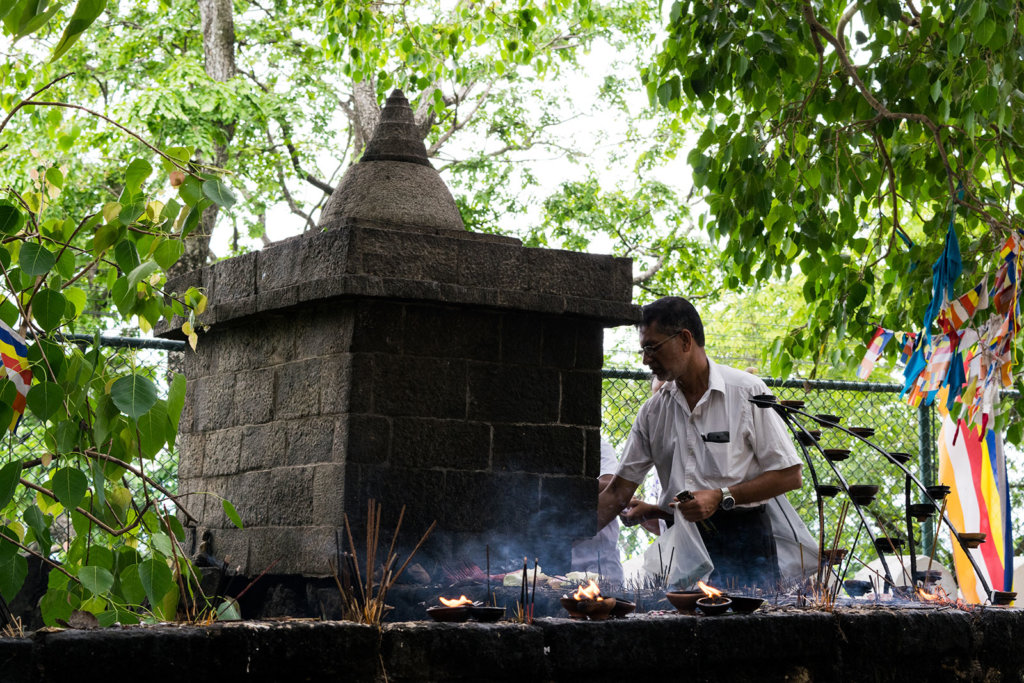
(728, 502)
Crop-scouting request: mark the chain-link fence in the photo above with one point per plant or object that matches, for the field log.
(897, 428)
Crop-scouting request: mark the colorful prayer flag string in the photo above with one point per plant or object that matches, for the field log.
(15, 360)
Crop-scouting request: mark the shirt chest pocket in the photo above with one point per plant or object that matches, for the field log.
(716, 459)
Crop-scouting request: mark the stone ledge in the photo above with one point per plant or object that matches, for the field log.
(872, 644)
(374, 262)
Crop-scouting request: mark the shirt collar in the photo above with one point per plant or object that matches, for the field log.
(715, 383)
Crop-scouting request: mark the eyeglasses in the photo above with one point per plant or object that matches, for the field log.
(652, 349)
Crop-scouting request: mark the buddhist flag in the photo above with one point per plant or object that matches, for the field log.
(875, 348)
(907, 346)
(962, 308)
(972, 464)
(15, 359)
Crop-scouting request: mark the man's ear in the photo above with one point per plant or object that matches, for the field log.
(686, 338)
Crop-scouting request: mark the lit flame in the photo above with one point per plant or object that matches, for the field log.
(708, 590)
(938, 596)
(463, 600)
(588, 592)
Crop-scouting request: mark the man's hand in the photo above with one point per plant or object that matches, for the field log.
(638, 512)
(704, 504)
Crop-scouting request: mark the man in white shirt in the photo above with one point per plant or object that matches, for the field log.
(600, 554)
(704, 436)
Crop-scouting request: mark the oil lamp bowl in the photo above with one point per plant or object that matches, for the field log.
(920, 511)
(856, 588)
(622, 608)
(684, 601)
(1004, 598)
(863, 432)
(858, 490)
(571, 606)
(745, 604)
(833, 556)
(836, 454)
(596, 610)
(449, 614)
(972, 539)
(714, 606)
(900, 457)
(827, 420)
(888, 545)
(826, 490)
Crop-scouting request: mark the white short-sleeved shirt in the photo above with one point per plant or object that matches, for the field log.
(603, 549)
(667, 436)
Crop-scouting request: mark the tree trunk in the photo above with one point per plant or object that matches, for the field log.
(218, 26)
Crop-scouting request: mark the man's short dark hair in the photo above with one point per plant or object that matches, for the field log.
(672, 314)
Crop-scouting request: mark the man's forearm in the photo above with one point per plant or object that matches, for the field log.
(767, 485)
(612, 499)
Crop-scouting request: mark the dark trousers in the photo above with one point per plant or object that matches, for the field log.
(742, 548)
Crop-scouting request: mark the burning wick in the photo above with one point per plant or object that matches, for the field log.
(588, 592)
(712, 593)
(463, 600)
(938, 596)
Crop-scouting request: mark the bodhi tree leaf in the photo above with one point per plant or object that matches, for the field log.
(86, 12)
(168, 252)
(9, 475)
(96, 580)
(48, 308)
(11, 218)
(232, 514)
(45, 399)
(156, 579)
(133, 395)
(219, 193)
(36, 259)
(69, 485)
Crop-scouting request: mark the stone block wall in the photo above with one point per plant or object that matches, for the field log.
(487, 422)
(455, 374)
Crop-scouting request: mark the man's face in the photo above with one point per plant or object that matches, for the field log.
(665, 353)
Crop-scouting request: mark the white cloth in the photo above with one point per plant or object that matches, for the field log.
(600, 554)
(667, 436)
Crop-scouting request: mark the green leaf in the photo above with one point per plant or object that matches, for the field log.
(45, 399)
(136, 173)
(140, 273)
(133, 395)
(126, 256)
(12, 576)
(168, 252)
(11, 218)
(232, 514)
(77, 297)
(131, 585)
(156, 579)
(35, 259)
(191, 190)
(229, 610)
(86, 12)
(124, 297)
(9, 475)
(153, 430)
(219, 193)
(37, 521)
(69, 485)
(48, 308)
(96, 580)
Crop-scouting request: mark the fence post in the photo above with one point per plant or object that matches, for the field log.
(927, 466)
